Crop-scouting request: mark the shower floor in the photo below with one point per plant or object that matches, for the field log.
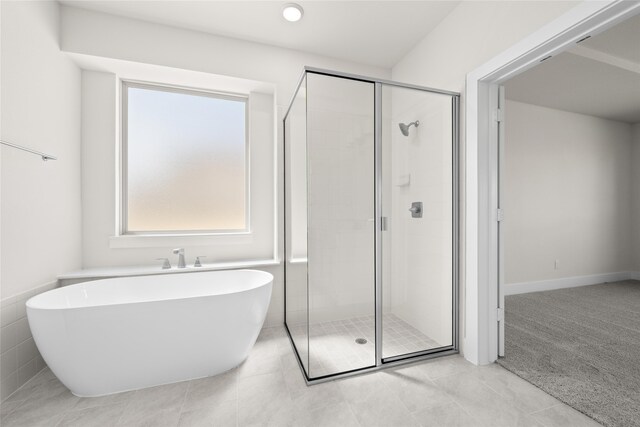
(333, 346)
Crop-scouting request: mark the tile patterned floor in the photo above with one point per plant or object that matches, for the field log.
(333, 347)
(267, 389)
(400, 337)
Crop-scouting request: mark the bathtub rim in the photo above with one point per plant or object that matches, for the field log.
(30, 302)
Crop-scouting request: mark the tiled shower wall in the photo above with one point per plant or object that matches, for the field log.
(20, 360)
(420, 258)
(341, 209)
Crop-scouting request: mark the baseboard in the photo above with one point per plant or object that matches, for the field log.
(568, 282)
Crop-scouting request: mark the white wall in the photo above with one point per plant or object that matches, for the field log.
(100, 174)
(40, 201)
(567, 194)
(136, 40)
(469, 36)
(473, 33)
(635, 198)
(86, 35)
(92, 33)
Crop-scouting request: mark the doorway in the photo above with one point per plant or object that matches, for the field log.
(483, 305)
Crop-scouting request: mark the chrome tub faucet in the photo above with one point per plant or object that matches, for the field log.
(180, 252)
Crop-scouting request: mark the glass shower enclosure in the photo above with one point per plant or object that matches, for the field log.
(371, 223)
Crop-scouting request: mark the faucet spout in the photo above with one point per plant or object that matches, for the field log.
(180, 252)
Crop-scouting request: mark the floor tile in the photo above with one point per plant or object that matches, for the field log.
(308, 398)
(43, 408)
(96, 416)
(382, 409)
(263, 399)
(514, 390)
(482, 403)
(32, 420)
(415, 392)
(147, 404)
(278, 413)
(160, 418)
(334, 415)
(269, 390)
(207, 392)
(361, 387)
(448, 414)
(40, 384)
(445, 366)
(565, 416)
(7, 407)
(273, 343)
(220, 414)
(258, 365)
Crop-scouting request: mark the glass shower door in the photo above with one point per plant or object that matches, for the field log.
(340, 224)
(418, 209)
(370, 222)
(295, 194)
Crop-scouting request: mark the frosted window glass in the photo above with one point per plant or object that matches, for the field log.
(186, 161)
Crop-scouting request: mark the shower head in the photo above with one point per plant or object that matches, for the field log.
(405, 128)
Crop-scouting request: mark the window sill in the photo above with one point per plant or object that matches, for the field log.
(160, 241)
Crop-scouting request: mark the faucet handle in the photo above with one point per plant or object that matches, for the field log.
(166, 264)
(198, 263)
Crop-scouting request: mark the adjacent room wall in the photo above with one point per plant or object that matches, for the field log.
(40, 201)
(635, 198)
(567, 195)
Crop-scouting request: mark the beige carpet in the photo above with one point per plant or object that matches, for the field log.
(581, 345)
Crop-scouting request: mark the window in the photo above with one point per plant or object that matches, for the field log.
(184, 161)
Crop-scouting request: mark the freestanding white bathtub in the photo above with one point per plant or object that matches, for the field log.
(121, 334)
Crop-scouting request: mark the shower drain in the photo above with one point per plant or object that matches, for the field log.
(361, 341)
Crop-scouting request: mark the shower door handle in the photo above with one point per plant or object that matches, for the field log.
(416, 210)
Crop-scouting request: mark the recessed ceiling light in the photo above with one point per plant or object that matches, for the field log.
(292, 12)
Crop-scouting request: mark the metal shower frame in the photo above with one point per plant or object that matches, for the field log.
(381, 362)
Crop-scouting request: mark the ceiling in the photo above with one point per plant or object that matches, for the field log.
(378, 33)
(599, 77)
(622, 41)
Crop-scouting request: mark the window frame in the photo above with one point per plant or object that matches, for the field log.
(122, 199)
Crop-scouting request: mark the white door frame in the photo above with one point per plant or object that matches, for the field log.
(480, 337)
